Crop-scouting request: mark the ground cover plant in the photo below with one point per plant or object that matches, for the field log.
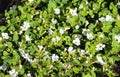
(60, 38)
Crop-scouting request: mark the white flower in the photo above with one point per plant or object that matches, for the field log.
(76, 41)
(77, 27)
(85, 31)
(100, 46)
(71, 50)
(13, 73)
(100, 60)
(58, 38)
(54, 21)
(109, 18)
(3, 67)
(118, 4)
(66, 65)
(101, 19)
(55, 57)
(73, 12)
(81, 6)
(26, 56)
(5, 35)
(82, 52)
(101, 36)
(30, 1)
(117, 38)
(86, 23)
(23, 54)
(50, 31)
(27, 38)
(13, 7)
(61, 31)
(29, 75)
(25, 26)
(40, 47)
(53, 39)
(57, 11)
(89, 36)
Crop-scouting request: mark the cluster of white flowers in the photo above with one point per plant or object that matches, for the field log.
(26, 56)
(100, 46)
(99, 58)
(71, 50)
(57, 11)
(73, 12)
(55, 57)
(117, 38)
(107, 18)
(5, 35)
(90, 36)
(13, 73)
(25, 26)
(76, 41)
(54, 21)
(27, 38)
(3, 67)
(77, 27)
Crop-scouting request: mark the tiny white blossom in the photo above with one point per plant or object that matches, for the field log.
(5, 35)
(101, 19)
(89, 36)
(57, 11)
(76, 41)
(61, 31)
(73, 12)
(81, 6)
(40, 47)
(29, 75)
(100, 46)
(82, 52)
(109, 18)
(13, 73)
(55, 57)
(100, 60)
(30, 1)
(54, 21)
(27, 38)
(25, 26)
(58, 38)
(85, 31)
(53, 39)
(77, 27)
(117, 38)
(13, 7)
(50, 31)
(3, 67)
(118, 4)
(71, 50)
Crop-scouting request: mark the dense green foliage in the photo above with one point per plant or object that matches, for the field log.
(60, 38)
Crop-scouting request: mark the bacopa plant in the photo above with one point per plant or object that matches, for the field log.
(60, 38)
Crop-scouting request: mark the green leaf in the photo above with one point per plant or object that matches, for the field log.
(76, 69)
(9, 44)
(3, 28)
(15, 37)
